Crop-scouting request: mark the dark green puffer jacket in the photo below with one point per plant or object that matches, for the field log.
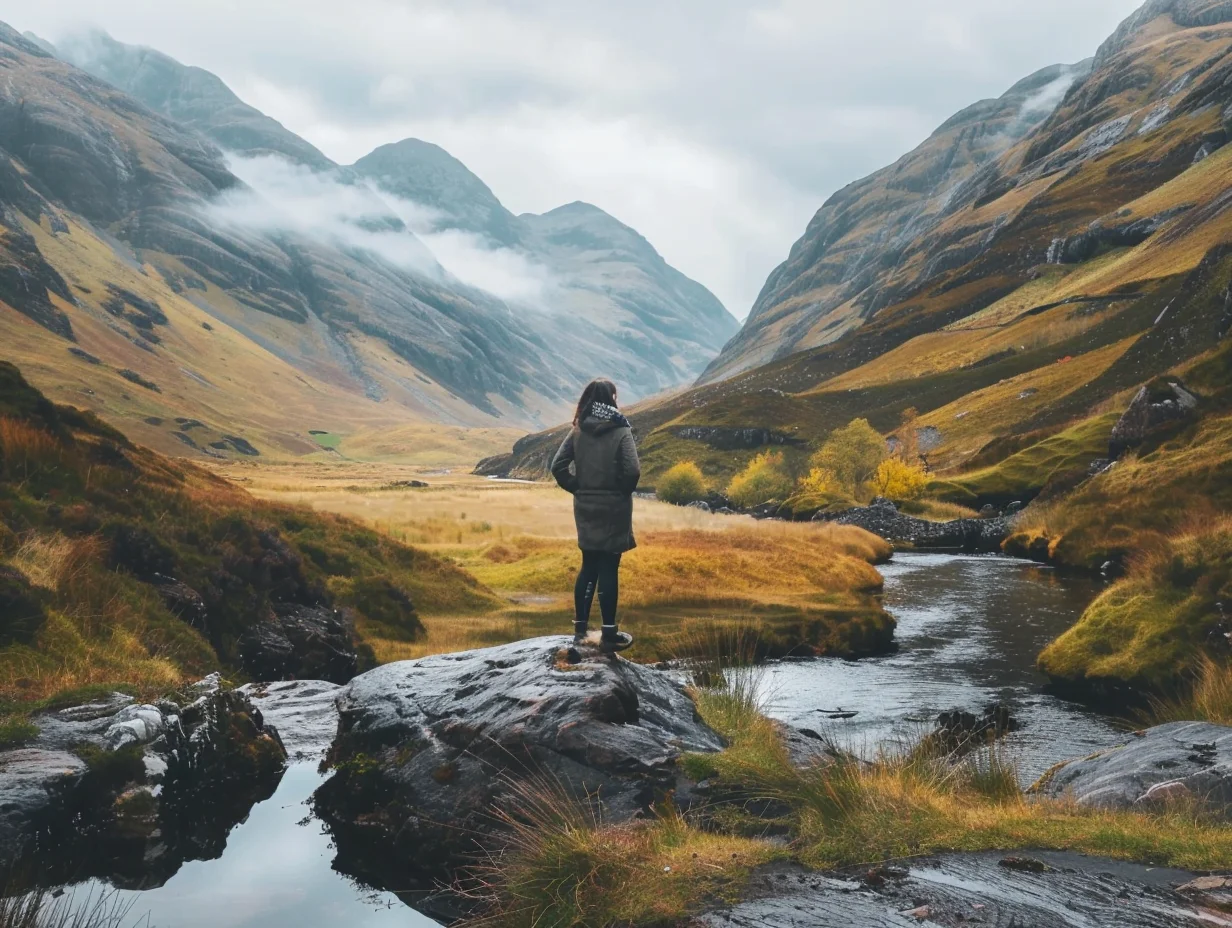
(598, 464)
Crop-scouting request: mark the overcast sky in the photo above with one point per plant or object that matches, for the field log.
(716, 128)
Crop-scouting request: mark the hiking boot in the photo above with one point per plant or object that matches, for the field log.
(579, 632)
(614, 640)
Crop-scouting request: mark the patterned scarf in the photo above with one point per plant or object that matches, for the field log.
(607, 413)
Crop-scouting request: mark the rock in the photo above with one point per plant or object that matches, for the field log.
(959, 731)
(968, 889)
(1014, 507)
(129, 791)
(723, 438)
(1167, 761)
(428, 749)
(766, 510)
(881, 517)
(699, 504)
(182, 601)
(304, 712)
(301, 642)
(1153, 407)
(1024, 864)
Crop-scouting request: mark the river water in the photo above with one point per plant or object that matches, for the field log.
(969, 629)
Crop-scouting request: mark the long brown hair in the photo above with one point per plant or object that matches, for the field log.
(600, 390)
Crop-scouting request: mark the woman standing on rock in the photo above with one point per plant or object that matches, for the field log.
(598, 464)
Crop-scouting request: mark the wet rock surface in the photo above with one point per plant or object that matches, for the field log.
(301, 642)
(304, 712)
(130, 791)
(1177, 760)
(427, 749)
(881, 517)
(1065, 891)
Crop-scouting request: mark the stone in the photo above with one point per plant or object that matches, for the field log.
(1154, 407)
(881, 517)
(129, 791)
(304, 712)
(1179, 759)
(699, 504)
(969, 889)
(301, 642)
(427, 749)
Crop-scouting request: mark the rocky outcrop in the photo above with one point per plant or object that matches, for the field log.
(1154, 408)
(129, 791)
(427, 749)
(301, 642)
(1189, 760)
(734, 439)
(881, 517)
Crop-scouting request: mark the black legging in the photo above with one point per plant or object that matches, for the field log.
(600, 571)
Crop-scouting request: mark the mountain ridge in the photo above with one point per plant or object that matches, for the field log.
(103, 193)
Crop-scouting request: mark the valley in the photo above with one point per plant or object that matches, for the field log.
(932, 579)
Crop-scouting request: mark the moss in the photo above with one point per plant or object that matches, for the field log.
(1023, 475)
(113, 770)
(1150, 630)
(15, 731)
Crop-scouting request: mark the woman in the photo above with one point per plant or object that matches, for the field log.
(598, 464)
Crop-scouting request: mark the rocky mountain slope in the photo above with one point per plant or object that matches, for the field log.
(1041, 285)
(629, 312)
(155, 289)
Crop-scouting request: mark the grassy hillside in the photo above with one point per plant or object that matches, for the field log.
(1044, 283)
(91, 525)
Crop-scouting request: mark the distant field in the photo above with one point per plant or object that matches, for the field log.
(803, 583)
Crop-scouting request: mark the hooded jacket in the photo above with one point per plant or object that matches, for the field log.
(598, 464)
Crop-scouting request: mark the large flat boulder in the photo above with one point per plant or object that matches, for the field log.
(427, 750)
(1180, 759)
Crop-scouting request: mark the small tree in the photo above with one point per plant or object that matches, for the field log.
(897, 479)
(851, 454)
(682, 484)
(818, 482)
(761, 481)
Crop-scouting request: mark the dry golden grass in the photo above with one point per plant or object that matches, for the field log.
(812, 583)
(970, 423)
(70, 654)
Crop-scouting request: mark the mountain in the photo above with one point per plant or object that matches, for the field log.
(660, 328)
(427, 174)
(1031, 266)
(640, 320)
(156, 288)
(190, 96)
(877, 237)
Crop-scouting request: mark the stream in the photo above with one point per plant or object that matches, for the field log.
(969, 628)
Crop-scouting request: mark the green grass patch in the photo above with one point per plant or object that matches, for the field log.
(1150, 631)
(1023, 475)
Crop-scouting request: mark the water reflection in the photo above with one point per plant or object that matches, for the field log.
(969, 630)
(276, 872)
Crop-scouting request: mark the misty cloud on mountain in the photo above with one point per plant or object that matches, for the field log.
(334, 209)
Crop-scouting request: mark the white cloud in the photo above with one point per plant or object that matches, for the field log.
(714, 127)
(279, 196)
